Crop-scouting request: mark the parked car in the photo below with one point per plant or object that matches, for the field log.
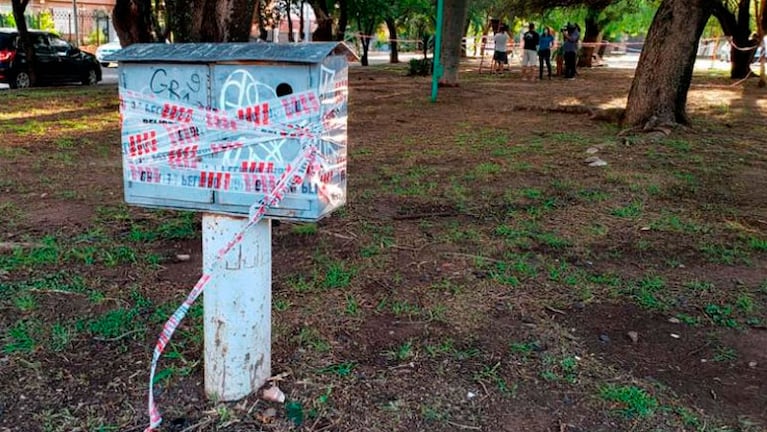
(56, 60)
(106, 50)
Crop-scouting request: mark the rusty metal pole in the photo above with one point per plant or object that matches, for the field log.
(237, 308)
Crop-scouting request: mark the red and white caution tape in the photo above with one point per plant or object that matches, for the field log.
(293, 175)
(169, 143)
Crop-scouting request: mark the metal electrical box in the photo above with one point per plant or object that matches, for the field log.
(212, 127)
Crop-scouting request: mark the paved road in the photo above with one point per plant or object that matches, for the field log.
(626, 61)
(108, 77)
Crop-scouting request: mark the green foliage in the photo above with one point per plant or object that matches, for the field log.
(491, 373)
(337, 275)
(61, 337)
(633, 401)
(724, 355)
(758, 244)
(647, 292)
(113, 324)
(294, 411)
(401, 352)
(47, 253)
(630, 211)
(723, 254)
(7, 20)
(721, 315)
(311, 338)
(25, 302)
(45, 21)
(340, 369)
(179, 225)
(21, 338)
(420, 67)
(304, 229)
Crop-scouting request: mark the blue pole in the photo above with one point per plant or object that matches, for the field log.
(437, 74)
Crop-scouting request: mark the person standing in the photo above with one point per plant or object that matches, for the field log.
(570, 48)
(500, 58)
(529, 52)
(544, 51)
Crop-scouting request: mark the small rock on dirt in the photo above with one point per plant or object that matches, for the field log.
(675, 336)
(674, 320)
(591, 159)
(270, 413)
(579, 306)
(273, 394)
(183, 257)
(634, 336)
(592, 150)
(752, 364)
(598, 163)
(604, 338)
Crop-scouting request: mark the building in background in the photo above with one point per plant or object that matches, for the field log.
(94, 19)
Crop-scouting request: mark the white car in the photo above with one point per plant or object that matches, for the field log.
(106, 50)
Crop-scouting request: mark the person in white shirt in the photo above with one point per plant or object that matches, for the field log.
(500, 57)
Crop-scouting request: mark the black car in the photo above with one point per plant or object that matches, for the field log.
(57, 60)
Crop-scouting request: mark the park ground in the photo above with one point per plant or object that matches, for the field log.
(482, 276)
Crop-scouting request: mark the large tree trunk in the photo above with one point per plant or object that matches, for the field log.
(261, 17)
(664, 72)
(132, 20)
(343, 19)
(737, 26)
(324, 31)
(290, 23)
(301, 22)
(210, 20)
(452, 33)
(393, 47)
(592, 34)
(763, 19)
(19, 7)
(365, 39)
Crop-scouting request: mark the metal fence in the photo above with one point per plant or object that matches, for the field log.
(94, 26)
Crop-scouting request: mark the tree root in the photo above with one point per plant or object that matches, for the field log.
(652, 131)
(610, 115)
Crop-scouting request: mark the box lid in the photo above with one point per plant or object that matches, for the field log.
(312, 52)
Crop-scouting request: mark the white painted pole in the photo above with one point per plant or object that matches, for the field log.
(237, 308)
(77, 25)
(308, 13)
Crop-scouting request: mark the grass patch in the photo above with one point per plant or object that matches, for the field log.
(22, 338)
(631, 401)
(630, 211)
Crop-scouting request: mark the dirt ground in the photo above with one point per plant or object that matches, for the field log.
(483, 275)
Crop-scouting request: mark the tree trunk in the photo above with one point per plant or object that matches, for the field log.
(452, 33)
(210, 20)
(19, 7)
(290, 23)
(741, 59)
(365, 40)
(343, 19)
(132, 20)
(301, 22)
(324, 30)
(261, 17)
(737, 26)
(591, 36)
(393, 48)
(464, 35)
(664, 72)
(763, 18)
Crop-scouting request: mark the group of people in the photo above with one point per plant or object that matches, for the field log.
(538, 46)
